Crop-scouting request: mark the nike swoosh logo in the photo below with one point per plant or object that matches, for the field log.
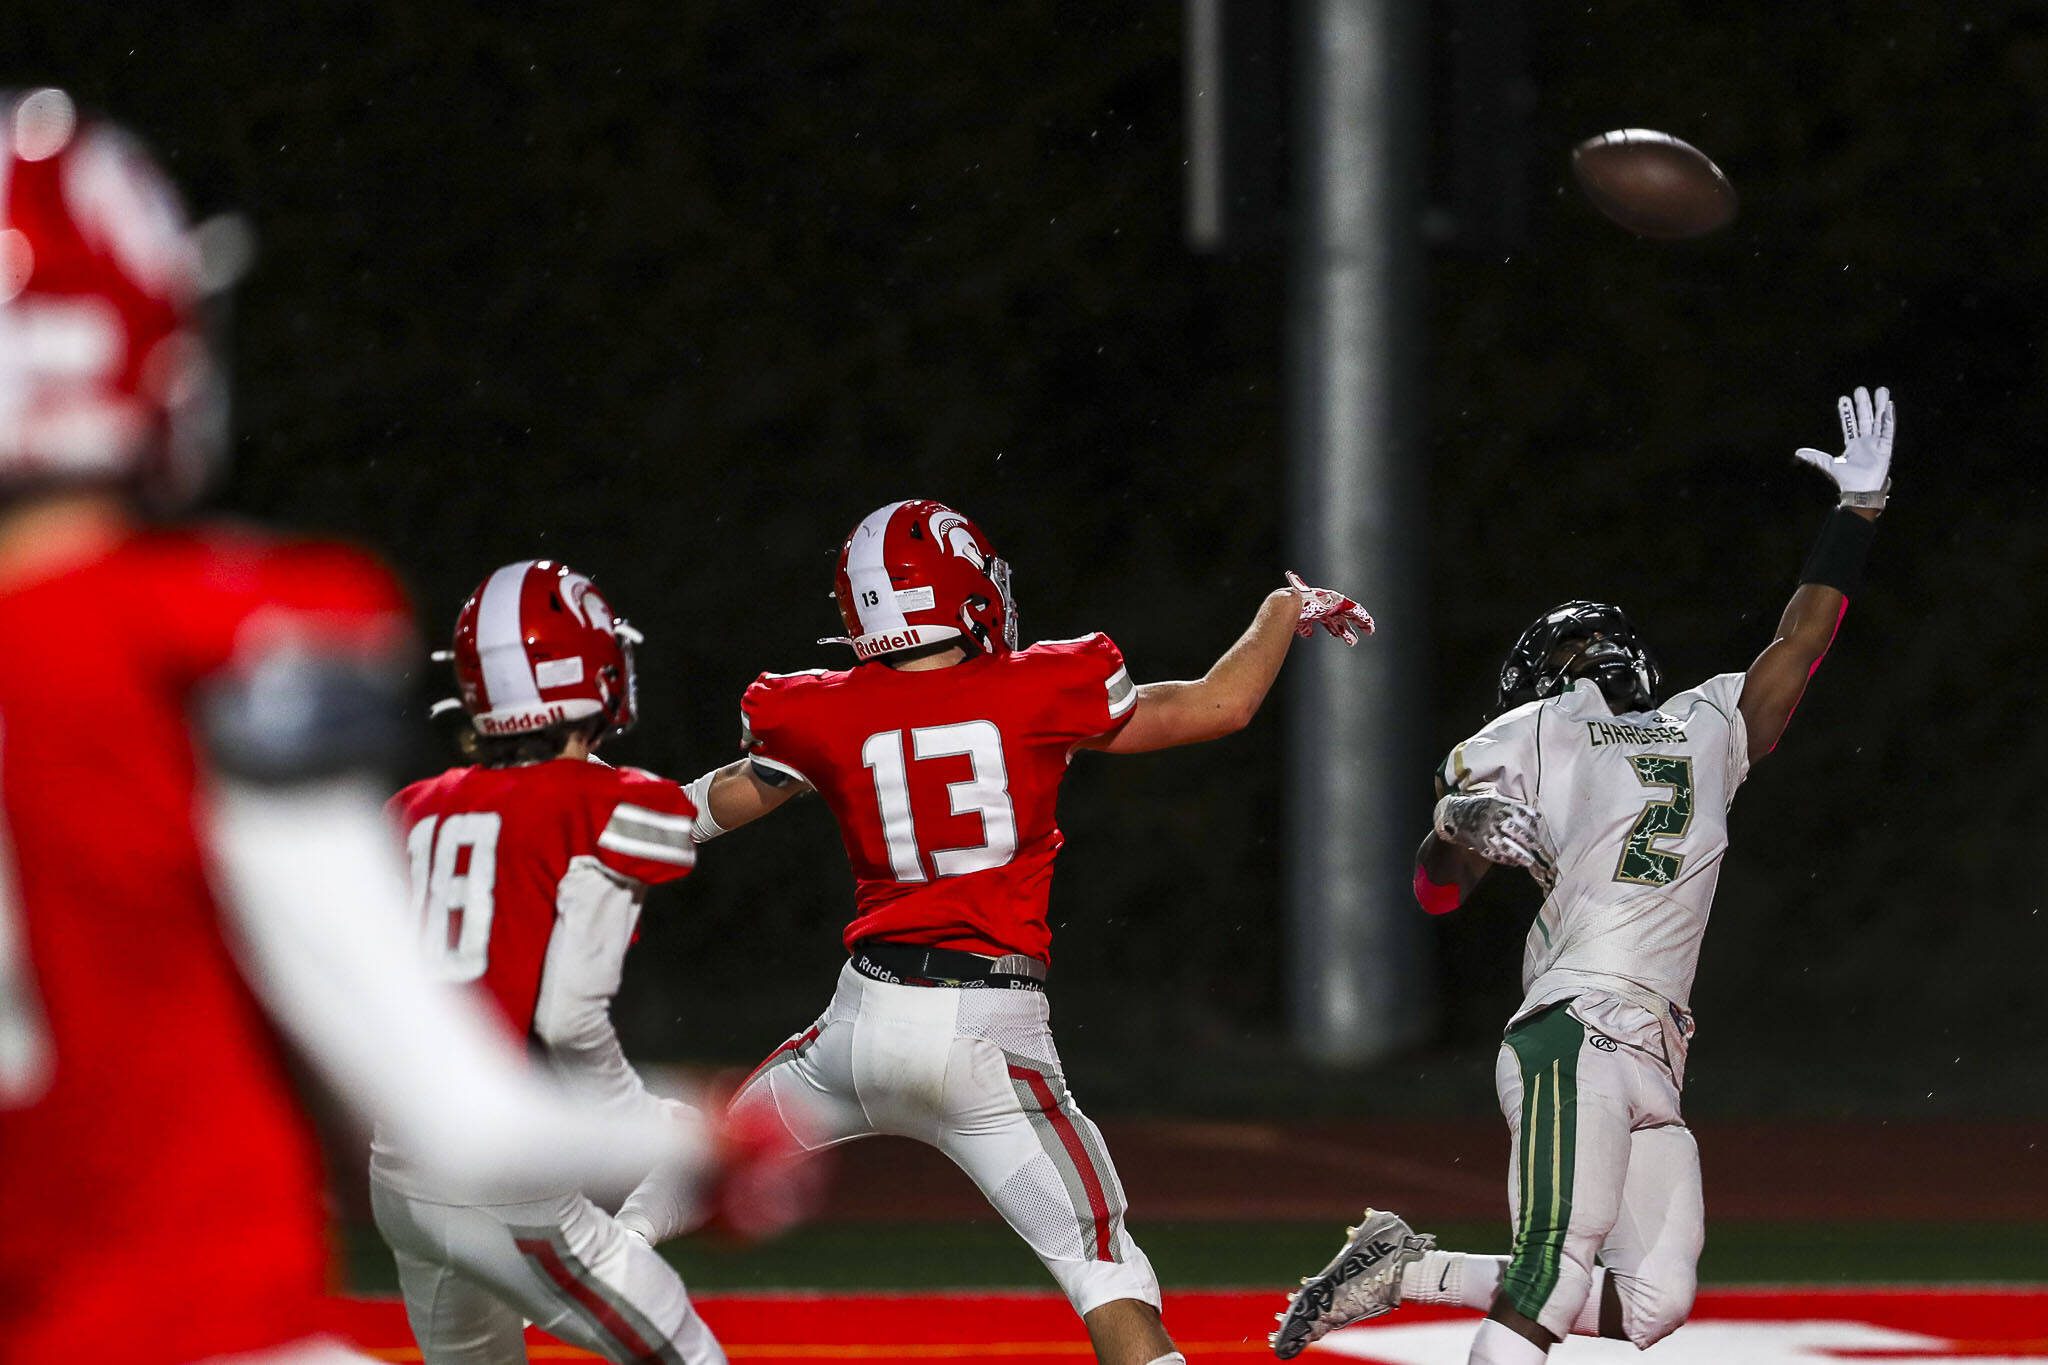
(1443, 1285)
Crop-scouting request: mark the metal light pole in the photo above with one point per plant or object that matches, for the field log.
(1358, 984)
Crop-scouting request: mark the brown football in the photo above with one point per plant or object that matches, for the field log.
(1653, 184)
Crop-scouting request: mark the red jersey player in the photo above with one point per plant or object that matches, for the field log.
(192, 857)
(528, 872)
(940, 754)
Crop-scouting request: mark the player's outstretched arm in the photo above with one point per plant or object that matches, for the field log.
(317, 899)
(738, 794)
(313, 892)
(1224, 700)
(1834, 572)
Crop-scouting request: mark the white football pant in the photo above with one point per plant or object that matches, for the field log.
(1604, 1167)
(972, 1072)
(470, 1274)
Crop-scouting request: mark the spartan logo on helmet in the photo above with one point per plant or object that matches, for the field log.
(956, 533)
(1581, 640)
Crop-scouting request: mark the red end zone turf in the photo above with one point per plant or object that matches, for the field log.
(1729, 1327)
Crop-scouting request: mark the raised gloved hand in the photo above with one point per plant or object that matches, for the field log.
(1863, 470)
(1498, 830)
(1330, 609)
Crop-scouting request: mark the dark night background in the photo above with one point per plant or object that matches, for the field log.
(677, 293)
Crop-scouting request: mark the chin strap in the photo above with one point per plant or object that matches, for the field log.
(704, 828)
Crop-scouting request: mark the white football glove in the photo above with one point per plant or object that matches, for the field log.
(1330, 609)
(1498, 830)
(1863, 470)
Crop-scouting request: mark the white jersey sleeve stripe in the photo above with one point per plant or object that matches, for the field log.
(663, 852)
(642, 823)
(1123, 695)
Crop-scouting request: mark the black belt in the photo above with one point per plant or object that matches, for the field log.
(911, 964)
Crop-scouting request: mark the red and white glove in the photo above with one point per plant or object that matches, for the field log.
(1330, 609)
(744, 1176)
(766, 1182)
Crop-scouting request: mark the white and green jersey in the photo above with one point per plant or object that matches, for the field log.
(1636, 808)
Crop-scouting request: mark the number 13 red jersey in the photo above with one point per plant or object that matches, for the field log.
(944, 781)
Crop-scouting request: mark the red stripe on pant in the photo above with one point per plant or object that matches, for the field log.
(796, 1044)
(1070, 1138)
(607, 1316)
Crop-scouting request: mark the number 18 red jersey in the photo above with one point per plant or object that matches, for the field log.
(944, 781)
(504, 861)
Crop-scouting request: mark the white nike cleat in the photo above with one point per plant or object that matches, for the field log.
(1363, 1281)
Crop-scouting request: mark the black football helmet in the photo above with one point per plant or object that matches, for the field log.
(1543, 662)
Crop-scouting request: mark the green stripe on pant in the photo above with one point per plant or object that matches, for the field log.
(1547, 1049)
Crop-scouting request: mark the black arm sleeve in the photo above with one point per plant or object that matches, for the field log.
(1840, 552)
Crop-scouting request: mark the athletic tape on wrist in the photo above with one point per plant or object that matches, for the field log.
(699, 793)
(1838, 555)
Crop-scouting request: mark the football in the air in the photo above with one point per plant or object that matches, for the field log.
(1653, 184)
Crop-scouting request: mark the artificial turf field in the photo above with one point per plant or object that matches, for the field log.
(914, 1257)
(921, 1291)
(1898, 1243)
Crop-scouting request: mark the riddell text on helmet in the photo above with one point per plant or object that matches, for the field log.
(523, 721)
(870, 646)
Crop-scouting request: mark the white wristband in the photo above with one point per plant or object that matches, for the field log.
(699, 793)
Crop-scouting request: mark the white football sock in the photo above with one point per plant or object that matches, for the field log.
(1465, 1280)
(1170, 1358)
(1499, 1344)
(1457, 1278)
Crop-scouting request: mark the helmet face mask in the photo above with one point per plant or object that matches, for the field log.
(1575, 640)
(999, 574)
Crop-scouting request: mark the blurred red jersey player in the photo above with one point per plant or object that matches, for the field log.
(194, 864)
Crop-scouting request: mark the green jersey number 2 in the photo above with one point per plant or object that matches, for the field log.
(1642, 861)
